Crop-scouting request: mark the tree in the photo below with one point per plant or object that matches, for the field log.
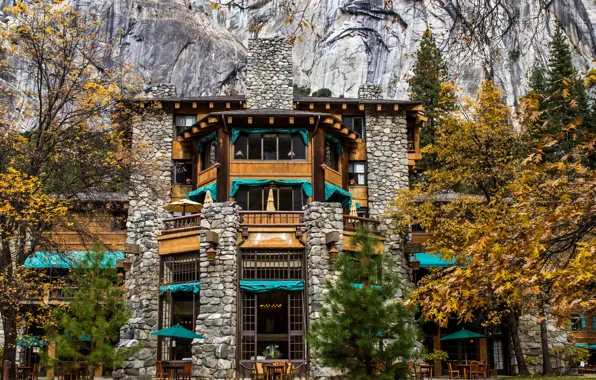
(363, 328)
(301, 91)
(322, 93)
(430, 85)
(60, 135)
(459, 203)
(94, 316)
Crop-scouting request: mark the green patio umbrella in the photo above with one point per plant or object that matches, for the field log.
(177, 331)
(30, 341)
(463, 334)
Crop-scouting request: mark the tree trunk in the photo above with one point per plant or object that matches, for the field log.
(9, 321)
(547, 368)
(519, 354)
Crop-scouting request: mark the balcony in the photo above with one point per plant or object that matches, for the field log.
(353, 223)
(272, 218)
(181, 223)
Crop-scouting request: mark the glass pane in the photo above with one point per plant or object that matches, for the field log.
(254, 147)
(241, 148)
(285, 147)
(359, 126)
(270, 147)
(299, 198)
(284, 199)
(255, 198)
(298, 147)
(180, 121)
(348, 121)
(359, 167)
(350, 167)
(331, 157)
(360, 179)
(241, 198)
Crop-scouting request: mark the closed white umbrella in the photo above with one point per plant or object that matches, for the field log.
(270, 201)
(353, 211)
(208, 198)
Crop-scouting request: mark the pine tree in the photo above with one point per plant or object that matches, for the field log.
(363, 329)
(430, 85)
(93, 317)
(537, 80)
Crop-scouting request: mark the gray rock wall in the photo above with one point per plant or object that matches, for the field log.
(149, 191)
(269, 73)
(215, 356)
(386, 153)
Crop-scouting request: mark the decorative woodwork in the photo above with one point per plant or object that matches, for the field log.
(208, 175)
(360, 194)
(332, 176)
(277, 218)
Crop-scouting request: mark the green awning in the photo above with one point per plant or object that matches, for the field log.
(268, 286)
(189, 287)
(306, 186)
(259, 131)
(344, 195)
(69, 260)
(463, 334)
(209, 137)
(336, 142)
(428, 260)
(196, 195)
(30, 341)
(177, 331)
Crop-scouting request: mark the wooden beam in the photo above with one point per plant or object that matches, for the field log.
(250, 120)
(196, 164)
(223, 170)
(244, 105)
(419, 107)
(195, 130)
(186, 135)
(327, 106)
(344, 106)
(294, 106)
(343, 164)
(352, 136)
(358, 140)
(229, 119)
(194, 104)
(159, 105)
(176, 105)
(337, 126)
(379, 107)
(396, 107)
(202, 124)
(328, 120)
(345, 130)
(271, 120)
(210, 104)
(212, 120)
(227, 105)
(180, 138)
(311, 106)
(311, 120)
(318, 159)
(421, 118)
(291, 120)
(361, 107)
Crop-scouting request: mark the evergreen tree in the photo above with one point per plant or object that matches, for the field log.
(537, 80)
(363, 329)
(92, 318)
(430, 85)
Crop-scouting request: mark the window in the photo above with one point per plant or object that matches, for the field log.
(183, 122)
(578, 323)
(181, 268)
(285, 198)
(357, 172)
(411, 140)
(331, 156)
(362, 212)
(269, 146)
(182, 172)
(208, 155)
(356, 123)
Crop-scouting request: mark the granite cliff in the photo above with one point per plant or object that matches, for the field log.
(199, 45)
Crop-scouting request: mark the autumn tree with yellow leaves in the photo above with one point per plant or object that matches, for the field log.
(60, 135)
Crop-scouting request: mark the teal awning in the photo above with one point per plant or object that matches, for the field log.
(209, 137)
(359, 286)
(336, 142)
(257, 286)
(196, 195)
(306, 186)
(428, 260)
(344, 195)
(30, 341)
(69, 260)
(189, 287)
(177, 331)
(259, 131)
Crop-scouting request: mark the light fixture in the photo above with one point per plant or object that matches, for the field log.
(239, 154)
(291, 154)
(211, 253)
(333, 254)
(415, 264)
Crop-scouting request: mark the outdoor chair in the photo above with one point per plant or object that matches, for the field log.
(34, 374)
(160, 374)
(297, 371)
(453, 373)
(412, 368)
(483, 369)
(186, 373)
(244, 370)
(490, 372)
(474, 370)
(288, 374)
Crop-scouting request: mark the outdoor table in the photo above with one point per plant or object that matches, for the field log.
(24, 371)
(173, 366)
(429, 367)
(274, 371)
(465, 368)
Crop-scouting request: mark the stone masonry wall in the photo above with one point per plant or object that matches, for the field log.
(369, 91)
(149, 191)
(215, 356)
(320, 218)
(269, 82)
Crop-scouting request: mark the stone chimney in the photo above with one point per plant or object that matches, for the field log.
(369, 91)
(269, 81)
(161, 90)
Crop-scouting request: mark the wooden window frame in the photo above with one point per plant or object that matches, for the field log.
(305, 159)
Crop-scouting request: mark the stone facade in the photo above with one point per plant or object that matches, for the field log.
(160, 91)
(215, 356)
(269, 81)
(149, 191)
(369, 91)
(387, 156)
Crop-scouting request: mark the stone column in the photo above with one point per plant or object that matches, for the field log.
(269, 80)
(215, 356)
(320, 218)
(369, 91)
(529, 335)
(149, 191)
(386, 153)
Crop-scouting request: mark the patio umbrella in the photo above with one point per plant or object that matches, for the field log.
(353, 211)
(185, 204)
(177, 331)
(270, 201)
(208, 198)
(463, 334)
(30, 341)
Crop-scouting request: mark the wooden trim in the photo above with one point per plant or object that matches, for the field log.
(196, 163)
(343, 165)
(318, 159)
(223, 177)
(207, 175)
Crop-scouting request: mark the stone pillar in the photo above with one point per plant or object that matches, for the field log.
(369, 91)
(394, 247)
(215, 356)
(161, 91)
(269, 81)
(386, 153)
(529, 335)
(149, 191)
(320, 218)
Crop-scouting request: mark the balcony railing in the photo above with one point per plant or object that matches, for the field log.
(181, 223)
(352, 223)
(208, 175)
(277, 218)
(331, 176)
